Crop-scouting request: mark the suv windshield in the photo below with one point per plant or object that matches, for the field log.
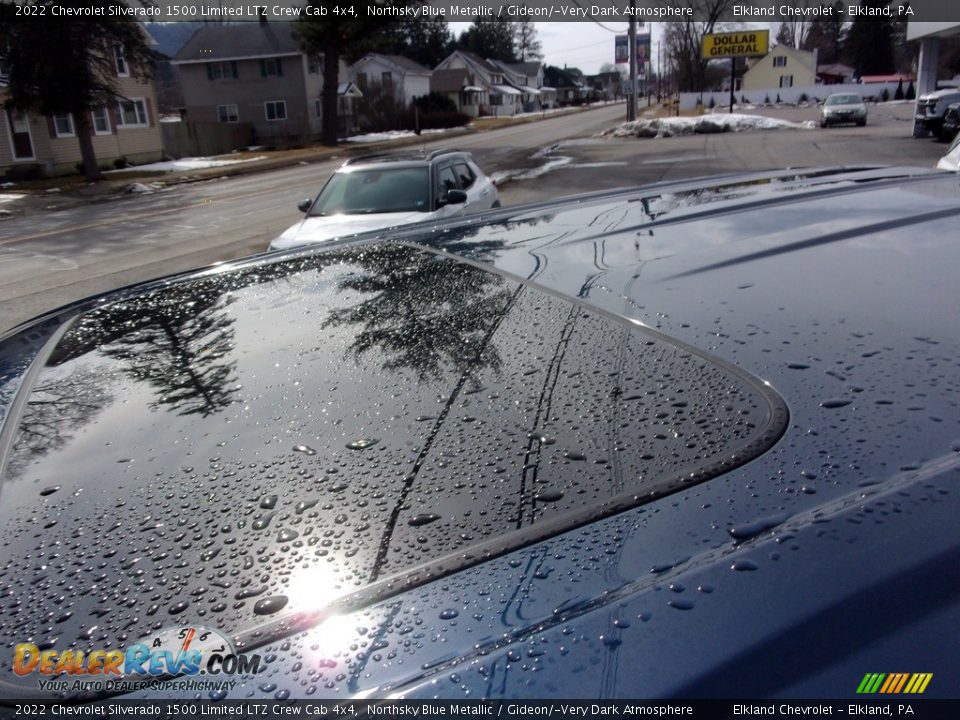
(375, 190)
(844, 100)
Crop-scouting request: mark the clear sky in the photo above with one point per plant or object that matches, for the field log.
(585, 45)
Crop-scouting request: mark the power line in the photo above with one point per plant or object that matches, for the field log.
(615, 32)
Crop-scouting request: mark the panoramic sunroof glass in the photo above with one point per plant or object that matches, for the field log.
(330, 429)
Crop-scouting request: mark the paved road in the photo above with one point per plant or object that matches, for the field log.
(594, 164)
(48, 260)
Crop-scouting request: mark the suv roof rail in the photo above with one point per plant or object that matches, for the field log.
(364, 158)
(444, 151)
(401, 157)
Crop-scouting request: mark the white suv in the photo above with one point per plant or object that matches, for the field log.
(932, 107)
(381, 191)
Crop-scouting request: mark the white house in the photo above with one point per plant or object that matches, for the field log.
(497, 96)
(405, 78)
(528, 78)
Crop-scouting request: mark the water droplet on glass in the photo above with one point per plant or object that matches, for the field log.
(835, 403)
(270, 605)
(286, 535)
(362, 443)
(423, 519)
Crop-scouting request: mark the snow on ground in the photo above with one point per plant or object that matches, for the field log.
(9, 197)
(703, 124)
(197, 163)
(394, 135)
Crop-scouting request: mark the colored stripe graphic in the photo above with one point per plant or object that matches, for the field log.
(894, 683)
(903, 681)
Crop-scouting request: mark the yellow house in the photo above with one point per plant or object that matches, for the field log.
(32, 144)
(782, 67)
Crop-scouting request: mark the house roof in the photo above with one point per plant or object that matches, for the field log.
(776, 49)
(407, 64)
(896, 77)
(404, 64)
(480, 62)
(235, 42)
(835, 69)
(559, 77)
(171, 37)
(530, 69)
(452, 80)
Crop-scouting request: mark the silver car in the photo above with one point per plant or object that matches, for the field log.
(843, 108)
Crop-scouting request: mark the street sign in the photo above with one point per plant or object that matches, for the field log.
(743, 43)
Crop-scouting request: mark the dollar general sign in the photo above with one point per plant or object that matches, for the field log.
(745, 43)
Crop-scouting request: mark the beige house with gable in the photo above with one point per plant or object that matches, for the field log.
(782, 67)
(256, 73)
(33, 145)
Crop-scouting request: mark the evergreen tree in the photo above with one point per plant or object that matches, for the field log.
(337, 37)
(60, 66)
(826, 35)
(425, 41)
(491, 39)
(869, 43)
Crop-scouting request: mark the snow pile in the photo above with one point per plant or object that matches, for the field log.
(143, 189)
(198, 163)
(703, 124)
(10, 197)
(394, 135)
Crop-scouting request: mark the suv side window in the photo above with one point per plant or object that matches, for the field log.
(465, 175)
(447, 180)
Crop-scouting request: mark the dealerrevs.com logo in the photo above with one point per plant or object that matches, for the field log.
(174, 652)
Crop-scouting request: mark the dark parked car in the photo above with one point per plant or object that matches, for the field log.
(951, 122)
(697, 439)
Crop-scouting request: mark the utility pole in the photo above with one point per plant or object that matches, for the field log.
(659, 73)
(733, 79)
(632, 49)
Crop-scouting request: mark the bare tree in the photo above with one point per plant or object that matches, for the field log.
(682, 41)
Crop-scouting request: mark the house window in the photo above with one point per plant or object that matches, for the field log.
(496, 79)
(133, 113)
(123, 70)
(315, 64)
(271, 67)
(228, 113)
(496, 99)
(275, 110)
(222, 71)
(63, 124)
(362, 81)
(780, 61)
(786, 81)
(387, 81)
(101, 121)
